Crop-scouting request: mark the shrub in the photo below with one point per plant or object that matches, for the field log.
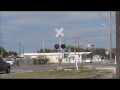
(40, 61)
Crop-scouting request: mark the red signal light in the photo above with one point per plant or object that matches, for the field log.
(56, 46)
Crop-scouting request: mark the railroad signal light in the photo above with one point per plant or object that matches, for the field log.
(63, 46)
(67, 47)
(81, 45)
(56, 46)
(91, 45)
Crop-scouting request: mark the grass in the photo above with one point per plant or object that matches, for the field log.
(61, 74)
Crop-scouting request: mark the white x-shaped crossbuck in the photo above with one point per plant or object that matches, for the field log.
(59, 32)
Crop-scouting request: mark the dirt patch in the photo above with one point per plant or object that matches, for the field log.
(103, 73)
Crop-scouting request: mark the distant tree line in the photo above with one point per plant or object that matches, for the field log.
(9, 53)
(48, 50)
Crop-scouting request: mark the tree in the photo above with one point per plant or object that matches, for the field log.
(6, 54)
(55, 50)
(47, 50)
(10, 53)
(99, 51)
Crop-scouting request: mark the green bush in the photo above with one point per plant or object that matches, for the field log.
(40, 61)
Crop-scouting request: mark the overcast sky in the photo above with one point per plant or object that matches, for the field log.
(29, 28)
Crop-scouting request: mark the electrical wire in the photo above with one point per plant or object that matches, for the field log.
(107, 22)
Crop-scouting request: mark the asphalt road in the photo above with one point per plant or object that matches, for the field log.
(21, 69)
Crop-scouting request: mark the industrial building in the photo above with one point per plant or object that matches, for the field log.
(53, 57)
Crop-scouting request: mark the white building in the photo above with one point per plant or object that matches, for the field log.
(53, 57)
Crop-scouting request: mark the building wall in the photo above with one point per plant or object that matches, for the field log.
(96, 57)
(53, 57)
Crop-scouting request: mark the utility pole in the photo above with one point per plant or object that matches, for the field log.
(110, 35)
(1, 44)
(75, 41)
(75, 54)
(43, 47)
(64, 41)
(19, 49)
(75, 45)
(118, 44)
(78, 45)
(60, 59)
(0, 38)
(23, 51)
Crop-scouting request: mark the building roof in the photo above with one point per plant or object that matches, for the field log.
(36, 54)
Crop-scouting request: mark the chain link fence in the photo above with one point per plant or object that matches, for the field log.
(26, 62)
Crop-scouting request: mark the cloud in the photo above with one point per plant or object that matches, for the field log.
(17, 20)
(45, 18)
(31, 26)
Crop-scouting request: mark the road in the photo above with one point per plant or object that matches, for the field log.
(21, 69)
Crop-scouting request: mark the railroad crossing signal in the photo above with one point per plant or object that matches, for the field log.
(56, 46)
(81, 45)
(63, 46)
(90, 45)
(68, 47)
(59, 32)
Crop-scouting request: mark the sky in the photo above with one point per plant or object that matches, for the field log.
(29, 28)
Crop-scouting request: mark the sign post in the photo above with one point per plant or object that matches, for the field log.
(107, 52)
(59, 33)
(76, 63)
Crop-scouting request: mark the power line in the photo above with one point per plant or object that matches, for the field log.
(110, 23)
(112, 17)
(9, 43)
(110, 34)
(113, 24)
(104, 18)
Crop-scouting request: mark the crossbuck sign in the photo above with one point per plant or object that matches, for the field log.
(59, 32)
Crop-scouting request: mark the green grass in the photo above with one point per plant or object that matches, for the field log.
(57, 74)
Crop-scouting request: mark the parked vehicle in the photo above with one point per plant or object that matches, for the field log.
(4, 66)
(10, 61)
(88, 60)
